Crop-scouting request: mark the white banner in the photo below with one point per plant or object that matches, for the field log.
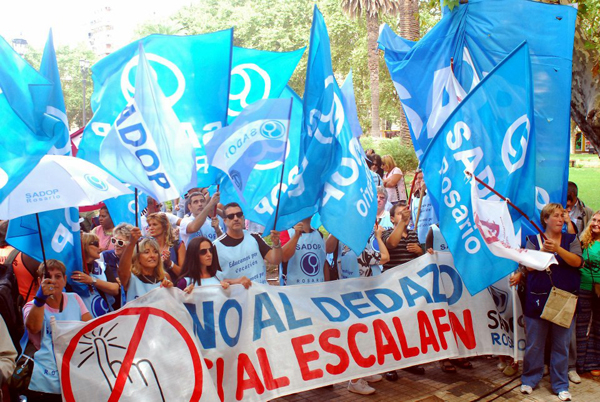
(268, 341)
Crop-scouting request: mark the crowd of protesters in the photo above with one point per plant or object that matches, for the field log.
(204, 242)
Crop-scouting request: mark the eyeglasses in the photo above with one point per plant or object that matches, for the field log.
(238, 214)
(204, 251)
(119, 242)
(94, 243)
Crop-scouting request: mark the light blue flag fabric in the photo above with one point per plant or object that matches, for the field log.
(122, 209)
(147, 147)
(478, 35)
(56, 102)
(333, 177)
(27, 132)
(349, 102)
(61, 238)
(60, 228)
(491, 134)
(258, 134)
(260, 194)
(259, 74)
(193, 73)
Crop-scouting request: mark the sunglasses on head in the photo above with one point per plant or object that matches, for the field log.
(119, 242)
(94, 243)
(203, 251)
(238, 214)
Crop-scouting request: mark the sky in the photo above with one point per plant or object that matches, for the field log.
(70, 19)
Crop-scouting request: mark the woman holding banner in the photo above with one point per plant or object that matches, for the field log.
(565, 276)
(200, 268)
(50, 301)
(142, 271)
(172, 250)
(588, 304)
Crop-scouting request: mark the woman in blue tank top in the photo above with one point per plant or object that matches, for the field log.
(200, 268)
(50, 301)
(141, 267)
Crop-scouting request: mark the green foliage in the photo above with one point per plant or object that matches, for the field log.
(589, 19)
(450, 4)
(404, 156)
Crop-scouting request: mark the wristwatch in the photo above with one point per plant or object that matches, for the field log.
(94, 280)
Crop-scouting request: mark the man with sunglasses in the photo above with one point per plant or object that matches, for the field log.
(241, 253)
(199, 223)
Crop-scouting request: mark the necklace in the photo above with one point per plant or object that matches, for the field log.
(152, 279)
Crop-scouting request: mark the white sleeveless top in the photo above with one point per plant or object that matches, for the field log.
(242, 260)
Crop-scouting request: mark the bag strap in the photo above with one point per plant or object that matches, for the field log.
(11, 257)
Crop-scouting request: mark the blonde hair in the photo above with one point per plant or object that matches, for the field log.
(587, 239)
(388, 160)
(161, 218)
(123, 229)
(143, 245)
(56, 264)
(549, 210)
(87, 238)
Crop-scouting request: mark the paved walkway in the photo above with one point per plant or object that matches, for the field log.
(483, 383)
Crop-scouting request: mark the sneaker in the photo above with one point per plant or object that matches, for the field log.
(564, 395)
(574, 378)
(360, 387)
(501, 366)
(526, 389)
(373, 378)
(391, 376)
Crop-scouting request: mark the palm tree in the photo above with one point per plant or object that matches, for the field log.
(371, 9)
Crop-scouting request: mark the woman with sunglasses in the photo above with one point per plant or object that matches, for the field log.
(200, 268)
(102, 284)
(111, 258)
(172, 250)
(141, 267)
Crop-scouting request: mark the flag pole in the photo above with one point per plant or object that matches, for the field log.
(412, 188)
(508, 202)
(137, 245)
(37, 219)
(287, 136)
(215, 211)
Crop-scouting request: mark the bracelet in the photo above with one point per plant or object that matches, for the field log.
(39, 302)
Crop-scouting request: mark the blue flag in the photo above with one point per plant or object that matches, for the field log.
(122, 209)
(61, 238)
(193, 73)
(478, 35)
(333, 178)
(490, 134)
(349, 102)
(146, 147)
(259, 74)
(56, 102)
(28, 132)
(260, 194)
(259, 134)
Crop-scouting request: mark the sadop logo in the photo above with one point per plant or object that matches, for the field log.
(236, 177)
(310, 264)
(272, 129)
(500, 298)
(99, 306)
(96, 182)
(42, 195)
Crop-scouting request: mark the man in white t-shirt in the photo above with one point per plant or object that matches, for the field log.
(154, 207)
(200, 222)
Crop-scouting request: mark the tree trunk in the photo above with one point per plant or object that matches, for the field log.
(585, 92)
(409, 29)
(373, 65)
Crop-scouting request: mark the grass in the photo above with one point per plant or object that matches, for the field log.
(586, 174)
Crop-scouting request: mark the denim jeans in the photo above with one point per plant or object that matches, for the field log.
(536, 331)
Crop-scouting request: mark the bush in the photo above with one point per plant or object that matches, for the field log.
(405, 156)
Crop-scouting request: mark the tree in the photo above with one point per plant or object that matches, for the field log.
(371, 9)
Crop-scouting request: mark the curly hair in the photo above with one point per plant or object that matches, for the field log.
(136, 268)
(587, 239)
